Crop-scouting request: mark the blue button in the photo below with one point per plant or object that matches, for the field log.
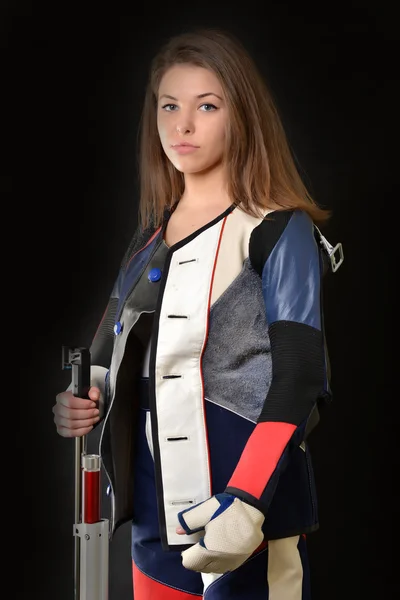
(154, 275)
(117, 328)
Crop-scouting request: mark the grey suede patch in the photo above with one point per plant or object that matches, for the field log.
(237, 366)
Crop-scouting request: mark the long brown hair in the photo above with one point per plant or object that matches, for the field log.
(261, 170)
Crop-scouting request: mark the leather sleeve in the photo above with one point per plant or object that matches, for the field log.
(284, 251)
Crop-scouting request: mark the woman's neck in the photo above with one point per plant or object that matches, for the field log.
(205, 191)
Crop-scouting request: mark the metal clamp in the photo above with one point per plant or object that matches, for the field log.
(335, 253)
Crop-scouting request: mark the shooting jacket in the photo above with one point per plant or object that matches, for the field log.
(232, 319)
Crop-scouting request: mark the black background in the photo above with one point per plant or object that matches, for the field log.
(76, 79)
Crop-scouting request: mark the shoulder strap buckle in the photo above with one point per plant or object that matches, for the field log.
(335, 253)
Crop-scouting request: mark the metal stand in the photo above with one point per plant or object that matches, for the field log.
(91, 542)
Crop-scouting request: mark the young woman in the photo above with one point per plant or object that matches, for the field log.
(210, 361)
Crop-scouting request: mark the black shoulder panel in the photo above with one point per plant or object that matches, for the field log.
(265, 236)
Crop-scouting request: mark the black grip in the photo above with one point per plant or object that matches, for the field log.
(78, 359)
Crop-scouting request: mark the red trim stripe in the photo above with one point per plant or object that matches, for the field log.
(203, 349)
(145, 246)
(260, 456)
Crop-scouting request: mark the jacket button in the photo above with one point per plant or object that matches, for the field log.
(117, 328)
(154, 275)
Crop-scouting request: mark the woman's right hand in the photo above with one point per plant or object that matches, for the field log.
(75, 417)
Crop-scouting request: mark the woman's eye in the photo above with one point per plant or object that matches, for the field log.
(168, 107)
(210, 107)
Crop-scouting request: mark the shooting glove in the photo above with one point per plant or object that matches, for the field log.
(232, 533)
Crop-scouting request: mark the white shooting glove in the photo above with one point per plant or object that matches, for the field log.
(232, 533)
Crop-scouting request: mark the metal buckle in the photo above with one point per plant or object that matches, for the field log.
(336, 262)
(332, 251)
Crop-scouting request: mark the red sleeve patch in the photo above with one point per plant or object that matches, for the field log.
(260, 456)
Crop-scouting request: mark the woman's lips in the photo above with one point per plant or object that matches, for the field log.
(184, 149)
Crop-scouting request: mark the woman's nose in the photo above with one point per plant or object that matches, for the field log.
(183, 128)
(184, 124)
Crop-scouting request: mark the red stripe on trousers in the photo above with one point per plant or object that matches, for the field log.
(260, 456)
(145, 588)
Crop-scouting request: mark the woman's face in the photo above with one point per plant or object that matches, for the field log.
(191, 118)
